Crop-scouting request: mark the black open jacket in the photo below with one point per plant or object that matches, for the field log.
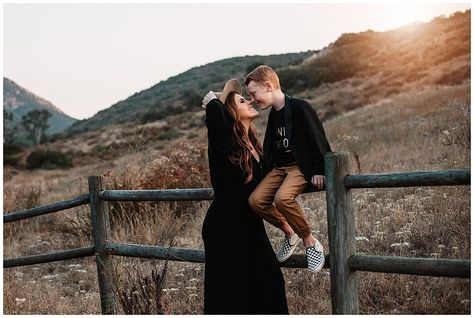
(306, 137)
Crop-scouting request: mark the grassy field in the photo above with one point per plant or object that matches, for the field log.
(426, 129)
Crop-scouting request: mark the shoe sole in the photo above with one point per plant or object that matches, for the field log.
(292, 250)
(320, 267)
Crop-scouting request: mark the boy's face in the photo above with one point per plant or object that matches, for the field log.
(260, 94)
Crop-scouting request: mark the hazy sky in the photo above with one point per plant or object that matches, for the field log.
(86, 57)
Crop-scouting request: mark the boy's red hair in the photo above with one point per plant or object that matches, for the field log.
(263, 74)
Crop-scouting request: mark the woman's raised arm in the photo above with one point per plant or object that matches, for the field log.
(218, 119)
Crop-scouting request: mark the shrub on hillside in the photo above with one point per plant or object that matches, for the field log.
(48, 159)
(185, 166)
(454, 77)
(341, 64)
(143, 294)
(191, 100)
(10, 152)
(11, 149)
(10, 161)
(169, 135)
(182, 167)
(151, 116)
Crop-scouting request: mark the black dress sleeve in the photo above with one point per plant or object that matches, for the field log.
(219, 125)
(220, 142)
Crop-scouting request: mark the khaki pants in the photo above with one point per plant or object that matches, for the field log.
(282, 185)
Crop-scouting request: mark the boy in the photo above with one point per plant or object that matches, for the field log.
(294, 147)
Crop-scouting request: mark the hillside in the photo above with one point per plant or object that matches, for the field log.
(182, 92)
(20, 101)
(356, 69)
(361, 68)
(397, 62)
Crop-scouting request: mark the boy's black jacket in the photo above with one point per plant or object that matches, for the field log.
(306, 137)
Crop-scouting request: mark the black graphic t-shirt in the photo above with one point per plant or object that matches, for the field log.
(281, 144)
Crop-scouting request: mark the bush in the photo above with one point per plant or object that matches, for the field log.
(192, 135)
(143, 294)
(191, 101)
(152, 116)
(184, 166)
(253, 66)
(47, 160)
(56, 136)
(341, 64)
(169, 135)
(10, 161)
(454, 77)
(10, 154)
(11, 149)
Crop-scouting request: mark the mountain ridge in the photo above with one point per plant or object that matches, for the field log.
(19, 101)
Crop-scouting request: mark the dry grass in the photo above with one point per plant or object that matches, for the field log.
(406, 132)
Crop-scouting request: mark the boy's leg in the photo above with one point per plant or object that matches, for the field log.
(261, 199)
(285, 201)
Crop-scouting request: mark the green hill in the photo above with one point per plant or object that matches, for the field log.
(18, 102)
(182, 92)
(355, 70)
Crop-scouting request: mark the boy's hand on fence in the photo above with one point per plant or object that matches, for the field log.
(318, 181)
(209, 96)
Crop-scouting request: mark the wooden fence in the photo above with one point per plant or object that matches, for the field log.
(342, 260)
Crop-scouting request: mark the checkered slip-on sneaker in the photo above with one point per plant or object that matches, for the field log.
(315, 257)
(287, 248)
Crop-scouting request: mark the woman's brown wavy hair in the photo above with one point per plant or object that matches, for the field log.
(242, 154)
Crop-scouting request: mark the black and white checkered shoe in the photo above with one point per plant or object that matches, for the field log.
(287, 248)
(315, 257)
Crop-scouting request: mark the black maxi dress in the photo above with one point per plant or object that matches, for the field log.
(242, 274)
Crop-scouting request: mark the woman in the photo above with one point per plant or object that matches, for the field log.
(242, 274)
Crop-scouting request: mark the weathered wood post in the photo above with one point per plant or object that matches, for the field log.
(101, 230)
(341, 228)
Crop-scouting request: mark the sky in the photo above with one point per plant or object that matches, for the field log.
(86, 57)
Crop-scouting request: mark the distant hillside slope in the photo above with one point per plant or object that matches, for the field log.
(355, 70)
(360, 68)
(19, 101)
(182, 92)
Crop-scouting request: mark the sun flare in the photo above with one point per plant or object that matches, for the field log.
(404, 14)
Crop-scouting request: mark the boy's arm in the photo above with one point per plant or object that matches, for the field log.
(318, 142)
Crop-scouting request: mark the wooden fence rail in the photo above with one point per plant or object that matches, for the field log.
(49, 257)
(342, 261)
(46, 209)
(410, 179)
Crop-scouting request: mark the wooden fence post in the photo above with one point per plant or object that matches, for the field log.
(101, 230)
(341, 228)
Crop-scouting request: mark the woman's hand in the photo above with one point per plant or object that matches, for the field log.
(318, 181)
(209, 96)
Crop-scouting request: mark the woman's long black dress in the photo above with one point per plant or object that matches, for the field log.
(242, 274)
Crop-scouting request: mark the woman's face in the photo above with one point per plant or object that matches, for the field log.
(244, 108)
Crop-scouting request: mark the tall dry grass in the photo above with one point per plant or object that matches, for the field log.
(423, 130)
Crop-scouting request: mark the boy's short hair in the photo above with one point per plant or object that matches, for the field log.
(263, 74)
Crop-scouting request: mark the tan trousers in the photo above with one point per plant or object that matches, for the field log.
(281, 185)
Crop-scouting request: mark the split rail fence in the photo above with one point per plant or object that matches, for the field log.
(343, 260)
